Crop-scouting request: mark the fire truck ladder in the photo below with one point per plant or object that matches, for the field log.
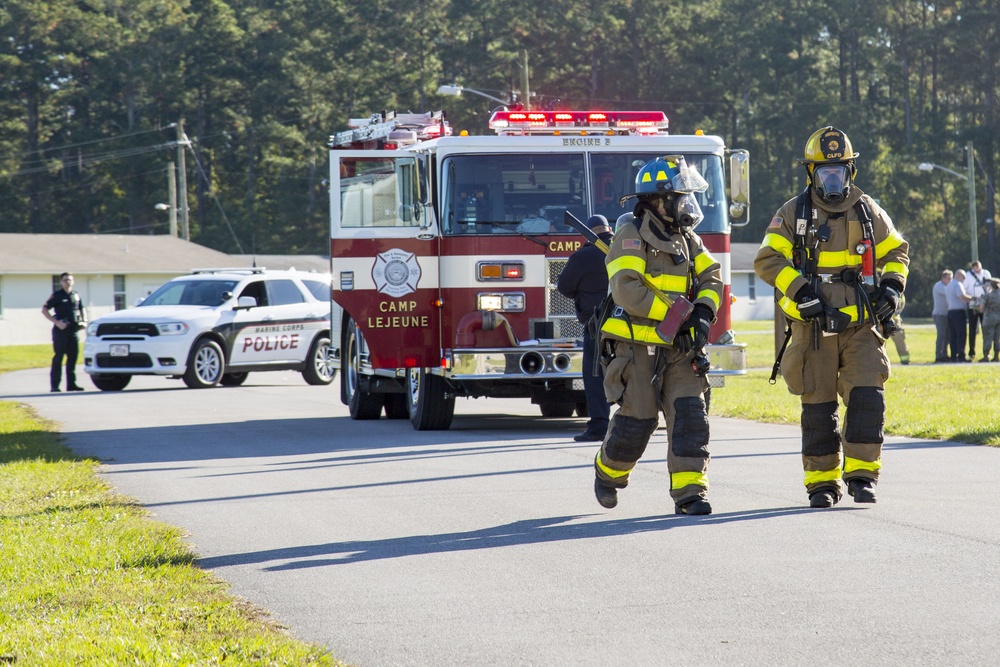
(381, 125)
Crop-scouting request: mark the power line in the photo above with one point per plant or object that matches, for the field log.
(92, 159)
(88, 143)
(218, 204)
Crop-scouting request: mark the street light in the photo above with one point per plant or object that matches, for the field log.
(971, 180)
(455, 89)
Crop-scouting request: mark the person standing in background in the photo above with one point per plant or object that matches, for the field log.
(585, 280)
(65, 310)
(975, 287)
(991, 321)
(940, 315)
(958, 301)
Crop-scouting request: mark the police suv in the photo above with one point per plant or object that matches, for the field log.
(215, 327)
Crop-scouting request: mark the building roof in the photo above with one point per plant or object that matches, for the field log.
(84, 254)
(742, 255)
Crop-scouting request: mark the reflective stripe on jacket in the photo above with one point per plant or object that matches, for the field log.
(774, 263)
(637, 251)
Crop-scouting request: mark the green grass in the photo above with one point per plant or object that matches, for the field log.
(920, 397)
(87, 578)
(20, 357)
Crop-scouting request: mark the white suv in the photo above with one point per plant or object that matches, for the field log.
(216, 326)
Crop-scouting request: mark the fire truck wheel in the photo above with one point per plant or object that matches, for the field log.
(205, 365)
(395, 406)
(233, 379)
(558, 410)
(362, 404)
(319, 367)
(430, 406)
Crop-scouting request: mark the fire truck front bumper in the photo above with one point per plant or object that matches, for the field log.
(541, 363)
(547, 363)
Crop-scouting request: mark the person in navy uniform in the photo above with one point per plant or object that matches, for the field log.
(65, 310)
(585, 280)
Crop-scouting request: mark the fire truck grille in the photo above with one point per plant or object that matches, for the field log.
(560, 308)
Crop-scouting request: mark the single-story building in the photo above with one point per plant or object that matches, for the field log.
(112, 272)
(754, 297)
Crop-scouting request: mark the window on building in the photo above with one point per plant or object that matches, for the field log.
(751, 288)
(56, 284)
(119, 292)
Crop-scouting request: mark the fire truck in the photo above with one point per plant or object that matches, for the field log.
(445, 250)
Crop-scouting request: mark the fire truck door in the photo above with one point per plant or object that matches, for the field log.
(384, 260)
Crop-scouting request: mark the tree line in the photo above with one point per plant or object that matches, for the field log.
(91, 90)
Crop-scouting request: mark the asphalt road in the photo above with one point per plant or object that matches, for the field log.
(483, 545)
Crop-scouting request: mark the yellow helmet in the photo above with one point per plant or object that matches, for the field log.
(829, 161)
(828, 144)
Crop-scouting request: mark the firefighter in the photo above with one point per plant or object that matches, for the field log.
(645, 375)
(839, 268)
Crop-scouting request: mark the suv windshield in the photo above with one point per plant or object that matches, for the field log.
(528, 193)
(191, 293)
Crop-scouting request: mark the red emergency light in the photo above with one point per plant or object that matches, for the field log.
(434, 131)
(641, 122)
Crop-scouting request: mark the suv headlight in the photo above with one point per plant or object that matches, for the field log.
(92, 329)
(172, 328)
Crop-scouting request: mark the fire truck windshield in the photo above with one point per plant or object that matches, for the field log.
(528, 193)
(613, 176)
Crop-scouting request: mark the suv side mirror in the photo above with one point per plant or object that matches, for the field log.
(246, 302)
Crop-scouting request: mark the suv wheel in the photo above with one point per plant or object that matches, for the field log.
(319, 367)
(110, 382)
(205, 365)
(233, 379)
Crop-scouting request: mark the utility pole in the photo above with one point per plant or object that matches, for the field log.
(526, 91)
(172, 194)
(973, 226)
(182, 172)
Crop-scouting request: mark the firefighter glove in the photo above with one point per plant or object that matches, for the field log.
(694, 332)
(886, 299)
(810, 305)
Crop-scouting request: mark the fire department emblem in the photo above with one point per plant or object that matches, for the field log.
(396, 272)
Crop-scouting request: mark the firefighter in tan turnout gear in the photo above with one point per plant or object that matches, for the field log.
(839, 268)
(655, 359)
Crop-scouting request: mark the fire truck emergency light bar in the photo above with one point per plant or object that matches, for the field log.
(579, 122)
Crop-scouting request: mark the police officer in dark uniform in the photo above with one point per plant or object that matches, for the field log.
(585, 280)
(65, 310)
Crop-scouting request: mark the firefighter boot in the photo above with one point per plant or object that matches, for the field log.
(823, 498)
(862, 490)
(696, 505)
(606, 495)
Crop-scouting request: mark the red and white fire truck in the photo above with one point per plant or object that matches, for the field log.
(445, 251)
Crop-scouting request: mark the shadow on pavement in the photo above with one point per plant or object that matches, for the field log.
(518, 533)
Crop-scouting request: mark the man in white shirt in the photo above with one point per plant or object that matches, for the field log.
(958, 303)
(975, 287)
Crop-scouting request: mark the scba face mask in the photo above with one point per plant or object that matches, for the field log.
(832, 182)
(687, 211)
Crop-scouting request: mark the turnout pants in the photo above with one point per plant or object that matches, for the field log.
(854, 366)
(629, 381)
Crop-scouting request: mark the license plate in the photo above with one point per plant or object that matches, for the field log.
(119, 350)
